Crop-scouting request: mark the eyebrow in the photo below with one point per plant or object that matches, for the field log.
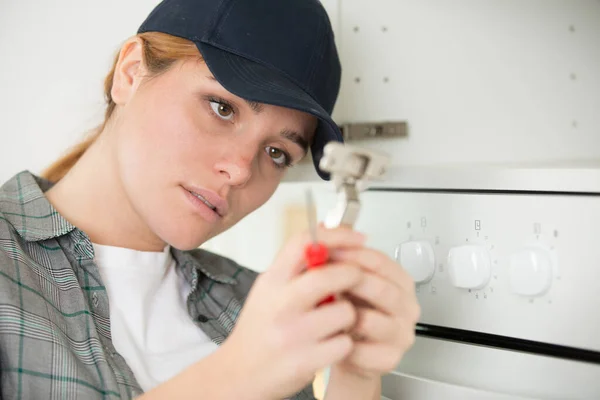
(254, 105)
(297, 138)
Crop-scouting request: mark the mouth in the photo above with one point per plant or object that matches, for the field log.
(212, 207)
(210, 199)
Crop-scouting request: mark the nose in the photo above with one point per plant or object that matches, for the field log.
(236, 169)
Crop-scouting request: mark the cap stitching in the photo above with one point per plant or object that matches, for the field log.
(264, 64)
(217, 26)
(259, 84)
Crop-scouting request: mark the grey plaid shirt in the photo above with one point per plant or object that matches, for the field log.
(55, 340)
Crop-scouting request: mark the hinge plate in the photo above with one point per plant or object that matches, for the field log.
(374, 130)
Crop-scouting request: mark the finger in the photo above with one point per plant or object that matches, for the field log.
(375, 292)
(374, 326)
(358, 303)
(290, 261)
(307, 290)
(326, 353)
(324, 322)
(376, 357)
(377, 263)
(381, 294)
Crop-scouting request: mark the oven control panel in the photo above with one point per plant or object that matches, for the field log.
(513, 264)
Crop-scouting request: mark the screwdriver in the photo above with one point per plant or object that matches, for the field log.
(316, 254)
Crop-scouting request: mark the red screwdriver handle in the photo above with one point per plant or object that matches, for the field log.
(316, 254)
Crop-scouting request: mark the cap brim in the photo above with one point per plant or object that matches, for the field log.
(255, 82)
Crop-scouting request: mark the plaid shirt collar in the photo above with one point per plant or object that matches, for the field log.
(26, 191)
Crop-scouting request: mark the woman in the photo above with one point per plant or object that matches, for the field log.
(207, 106)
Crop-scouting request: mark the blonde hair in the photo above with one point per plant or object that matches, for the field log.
(160, 51)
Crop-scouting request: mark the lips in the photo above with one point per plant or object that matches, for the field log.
(211, 199)
(205, 201)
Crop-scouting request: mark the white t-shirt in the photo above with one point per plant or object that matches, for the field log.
(150, 325)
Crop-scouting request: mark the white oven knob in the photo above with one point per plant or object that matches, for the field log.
(469, 266)
(530, 272)
(418, 259)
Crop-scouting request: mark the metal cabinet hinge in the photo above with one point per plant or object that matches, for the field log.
(374, 130)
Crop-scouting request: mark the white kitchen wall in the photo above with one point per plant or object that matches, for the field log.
(54, 56)
(478, 81)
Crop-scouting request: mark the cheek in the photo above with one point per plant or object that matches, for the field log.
(166, 137)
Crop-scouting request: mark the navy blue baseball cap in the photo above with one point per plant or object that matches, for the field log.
(278, 52)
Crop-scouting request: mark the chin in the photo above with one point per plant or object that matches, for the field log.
(183, 237)
(185, 244)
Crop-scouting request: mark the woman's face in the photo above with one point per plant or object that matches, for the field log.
(194, 159)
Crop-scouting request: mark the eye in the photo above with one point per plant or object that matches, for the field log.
(223, 110)
(279, 157)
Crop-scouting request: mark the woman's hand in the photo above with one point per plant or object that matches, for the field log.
(282, 338)
(387, 312)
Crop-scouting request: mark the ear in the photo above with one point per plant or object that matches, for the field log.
(128, 71)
